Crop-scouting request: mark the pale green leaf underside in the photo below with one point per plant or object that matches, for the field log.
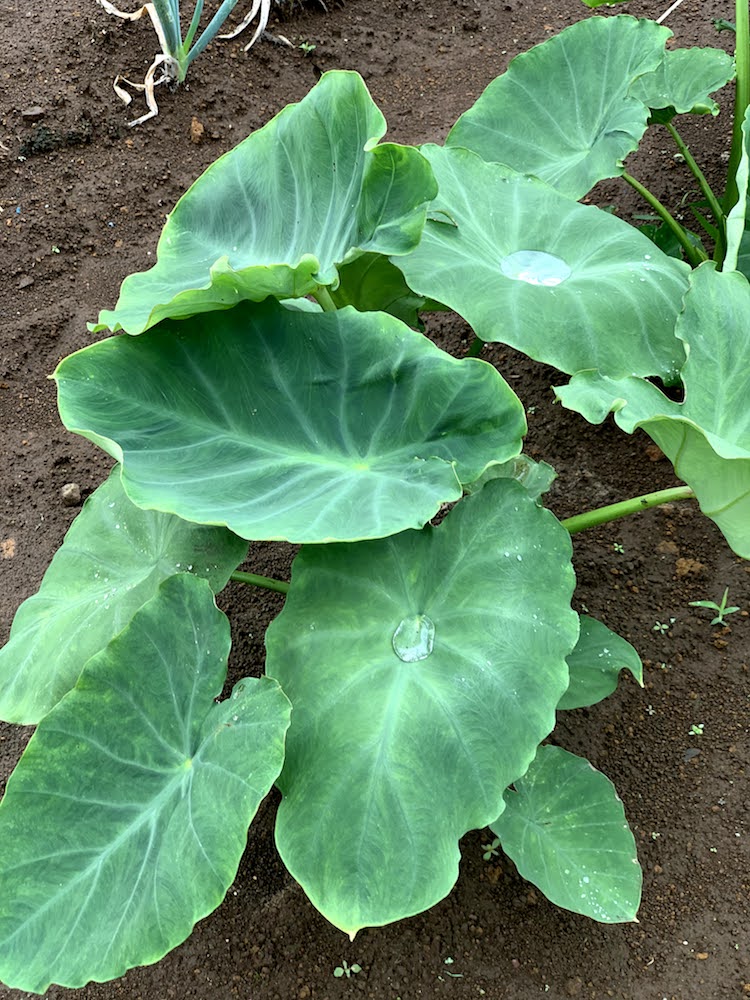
(737, 256)
(125, 820)
(595, 664)
(393, 756)
(600, 296)
(565, 828)
(288, 425)
(707, 437)
(111, 562)
(562, 111)
(685, 80)
(277, 214)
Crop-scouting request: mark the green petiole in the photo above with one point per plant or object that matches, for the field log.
(613, 511)
(579, 522)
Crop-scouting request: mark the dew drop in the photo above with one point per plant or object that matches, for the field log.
(535, 267)
(414, 638)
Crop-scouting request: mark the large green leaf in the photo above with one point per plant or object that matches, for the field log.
(563, 110)
(281, 424)
(423, 671)
(684, 82)
(567, 284)
(125, 820)
(565, 829)
(277, 214)
(595, 664)
(111, 562)
(706, 437)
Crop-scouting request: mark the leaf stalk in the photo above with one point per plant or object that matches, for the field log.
(266, 582)
(693, 253)
(613, 511)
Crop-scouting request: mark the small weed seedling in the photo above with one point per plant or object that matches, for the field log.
(663, 627)
(491, 850)
(346, 970)
(696, 729)
(721, 609)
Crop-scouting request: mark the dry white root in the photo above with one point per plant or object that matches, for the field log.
(262, 6)
(164, 61)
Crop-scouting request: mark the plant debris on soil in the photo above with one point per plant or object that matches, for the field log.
(82, 201)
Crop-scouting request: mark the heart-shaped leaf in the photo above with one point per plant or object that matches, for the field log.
(565, 828)
(423, 670)
(126, 818)
(706, 437)
(563, 110)
(282, 424)
(111, 562)
(684, 82)
(595, 664)
(279, 213)
(567, 284)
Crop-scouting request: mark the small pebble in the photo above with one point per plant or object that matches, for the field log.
(71, 494)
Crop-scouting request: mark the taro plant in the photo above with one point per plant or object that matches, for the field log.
(177, 52)
(268, 379)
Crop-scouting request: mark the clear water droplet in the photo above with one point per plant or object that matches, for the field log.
(414, 638)
(535, 267)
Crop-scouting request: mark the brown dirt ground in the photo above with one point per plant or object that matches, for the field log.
(82, 201)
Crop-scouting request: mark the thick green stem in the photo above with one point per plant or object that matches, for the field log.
(741, 99)
(693, 253)
(713, 202)
(323, 297)
(475, 348)
(267, 582)
(602, 515)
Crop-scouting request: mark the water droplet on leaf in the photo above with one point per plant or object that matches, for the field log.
(414, 638)
(535, 267)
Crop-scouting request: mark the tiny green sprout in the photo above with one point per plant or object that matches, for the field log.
(714, 850)
(346, 970)
(663, 627)
(55, 249)
(721, 609)
(696, 730)
(618, 547)
(655, 835)
(307, 47)
(491, 850)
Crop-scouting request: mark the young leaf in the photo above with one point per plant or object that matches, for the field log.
(535, 477)
(372, 283)
(567, 284)
(279, 213)
(565, 828)
(111, 562)
(706, 437)
(562, 111)
(595, 664)
(684, 82)
(280, 424)
(423, 670)
(125, 820)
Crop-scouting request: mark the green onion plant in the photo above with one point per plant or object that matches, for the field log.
(177, 53)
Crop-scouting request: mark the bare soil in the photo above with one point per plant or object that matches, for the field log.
(82, 201)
